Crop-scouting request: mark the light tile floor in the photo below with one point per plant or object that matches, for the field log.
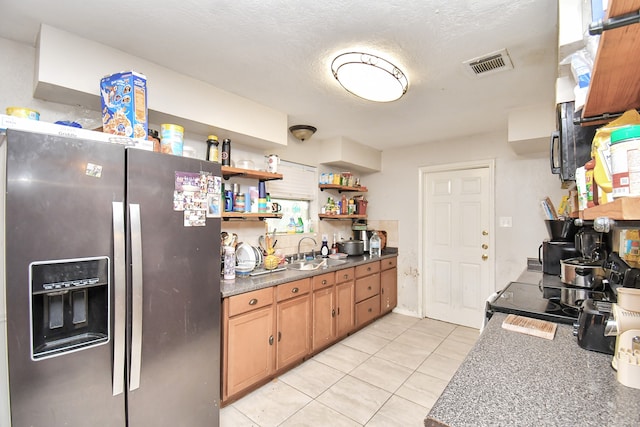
(389, 373)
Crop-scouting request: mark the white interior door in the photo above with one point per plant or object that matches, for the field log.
(458, 266)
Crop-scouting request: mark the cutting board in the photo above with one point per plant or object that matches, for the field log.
(526, 325)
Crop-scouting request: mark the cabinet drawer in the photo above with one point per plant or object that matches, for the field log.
(292, 289)
(345, 275)
(388, 263)
(367, 310)
(242, 303)
(367, 287)
(323, 280)
(366, 269)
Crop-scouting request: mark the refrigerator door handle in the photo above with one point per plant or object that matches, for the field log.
(119, 296)
(136, 297)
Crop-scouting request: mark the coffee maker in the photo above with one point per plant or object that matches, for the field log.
(625, 325)
(559, 246)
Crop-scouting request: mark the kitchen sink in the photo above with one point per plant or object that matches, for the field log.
(315, 264)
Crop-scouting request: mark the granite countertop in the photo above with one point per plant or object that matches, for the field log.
(509, 378)
(243, 284)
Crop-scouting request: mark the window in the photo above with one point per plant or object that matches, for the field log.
(295, 194)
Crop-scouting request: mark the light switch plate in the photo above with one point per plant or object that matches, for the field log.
(505, 221)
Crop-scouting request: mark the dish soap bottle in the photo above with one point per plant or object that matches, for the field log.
(291, 228)
(374, 244)
(324, 250)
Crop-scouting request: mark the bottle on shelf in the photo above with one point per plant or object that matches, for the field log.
(213, 153)
(344, 205)
(291, 227)
(334, 246)
(299, 226)
(374, 244)
(226, 152)
(324, 250)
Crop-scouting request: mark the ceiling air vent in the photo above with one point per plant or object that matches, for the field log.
(489, 64)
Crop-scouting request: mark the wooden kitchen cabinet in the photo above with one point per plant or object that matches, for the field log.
(388, 285)
(248, 339)
(367, 292)
(345, 302)
(324, 312)
(293, 322)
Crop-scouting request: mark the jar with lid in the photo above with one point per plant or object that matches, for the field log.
(213, 153)
(153, 135)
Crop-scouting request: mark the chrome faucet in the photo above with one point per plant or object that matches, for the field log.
(300, 241)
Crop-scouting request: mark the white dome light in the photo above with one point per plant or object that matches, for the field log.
(369, 76)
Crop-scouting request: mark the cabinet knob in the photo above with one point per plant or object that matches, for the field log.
(382, 291)
(368, 268)
(253, 301)
(279, 336)
(370, 310)
(294, 290)
(324, 282)
(346, 276)
(338, 311)
(369, 287)
(333, 313)
(271, 340)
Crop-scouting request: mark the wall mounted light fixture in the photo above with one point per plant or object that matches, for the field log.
(369, 76)
(302, 132)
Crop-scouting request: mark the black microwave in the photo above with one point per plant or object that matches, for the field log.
(570, 144)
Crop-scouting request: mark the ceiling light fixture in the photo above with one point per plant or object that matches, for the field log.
(369, 76)
(302, 132)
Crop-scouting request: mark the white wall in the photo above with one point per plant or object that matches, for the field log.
(520, 183)
(393, 193)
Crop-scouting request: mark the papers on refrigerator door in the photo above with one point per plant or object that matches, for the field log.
(198, 196)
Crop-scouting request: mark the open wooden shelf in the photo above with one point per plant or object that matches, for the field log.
(228, 172)
(249, 215)
(342, 188)
(329, 216)
(615, 80)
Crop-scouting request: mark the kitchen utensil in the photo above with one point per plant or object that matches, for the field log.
(589, 243)
(351, 247)
(550, 253)
(245, 257)
(245, 164)
(589, 328)
(364, 236)
(582, 272)
(561, 230)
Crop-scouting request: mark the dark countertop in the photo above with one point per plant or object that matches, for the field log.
(509, 378)
(243, 284)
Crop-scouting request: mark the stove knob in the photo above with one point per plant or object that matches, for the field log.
(576, 326)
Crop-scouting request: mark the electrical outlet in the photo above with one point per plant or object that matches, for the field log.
(505, 221)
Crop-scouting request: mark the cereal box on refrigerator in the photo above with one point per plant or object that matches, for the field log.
(124, 104)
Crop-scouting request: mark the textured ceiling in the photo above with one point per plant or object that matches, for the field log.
(279, 52)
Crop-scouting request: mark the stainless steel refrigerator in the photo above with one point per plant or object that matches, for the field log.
(112, 281)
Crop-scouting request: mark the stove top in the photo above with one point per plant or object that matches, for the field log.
(556, 303)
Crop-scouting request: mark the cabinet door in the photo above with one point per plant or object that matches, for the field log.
(388, 289)
(293, 320)
(345, 306)
(250, 349)
(324, 325)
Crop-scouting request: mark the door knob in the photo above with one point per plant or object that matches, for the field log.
(485, 257)
(484, 246)
(485, 233)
